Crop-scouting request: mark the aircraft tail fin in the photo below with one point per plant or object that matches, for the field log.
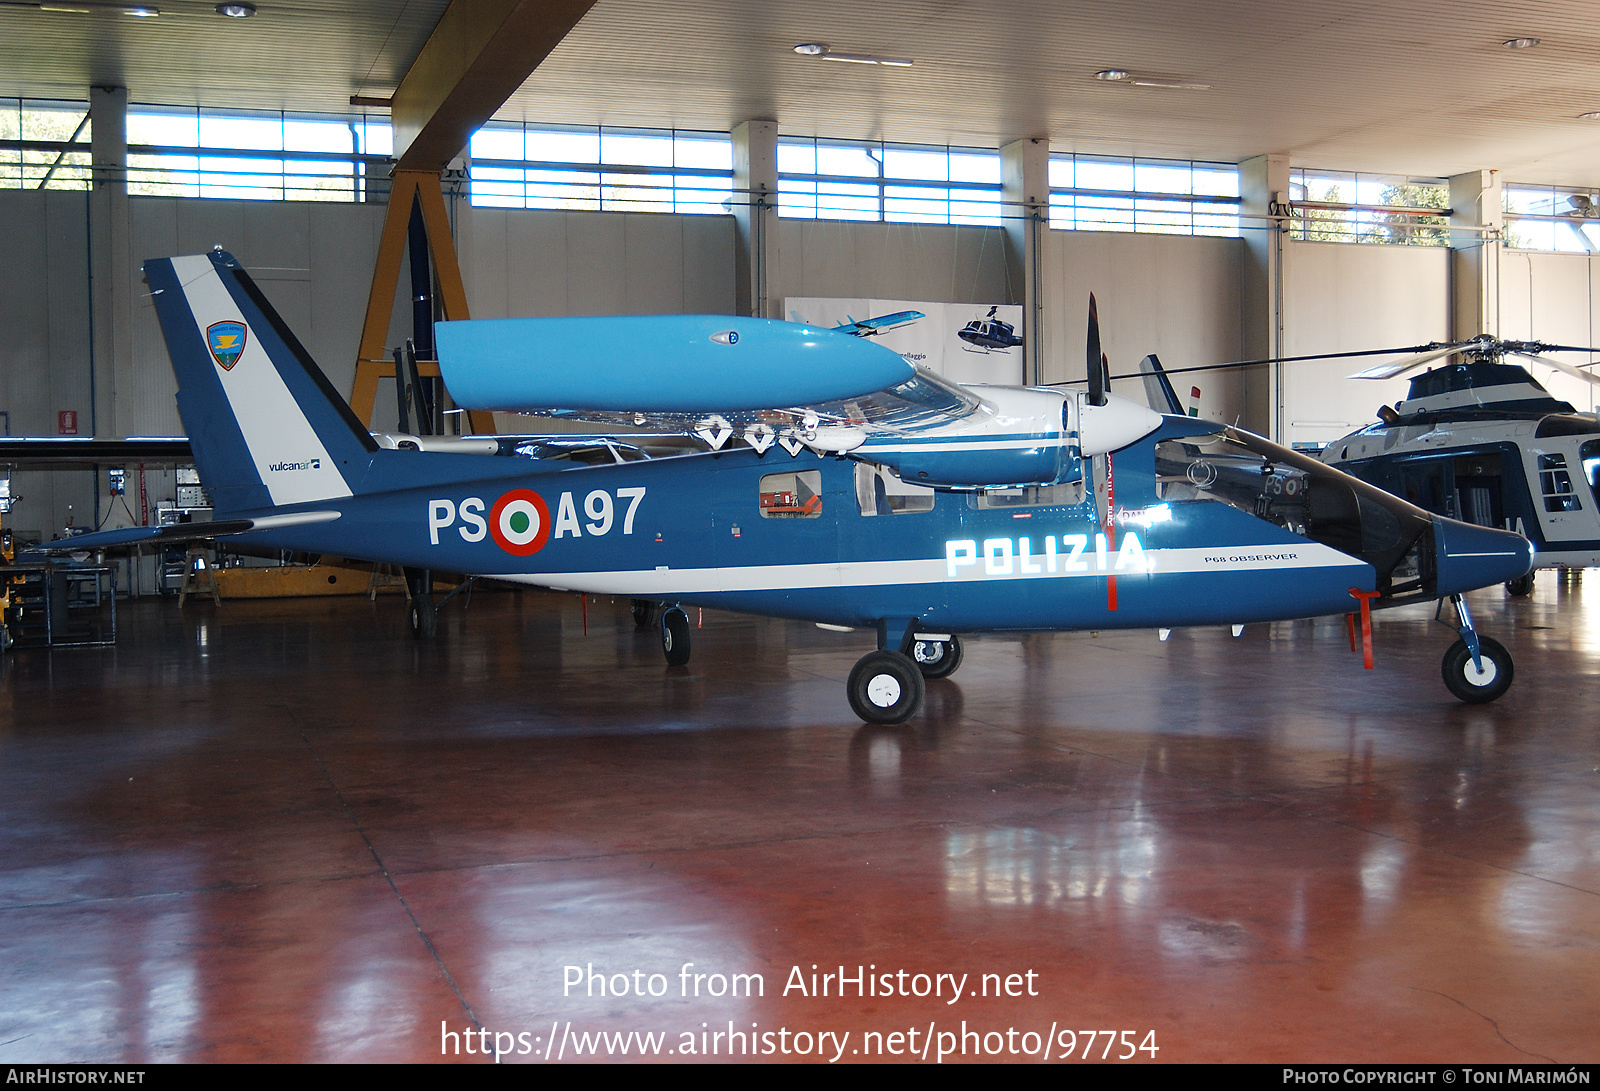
(266, 427)
(1158, 388)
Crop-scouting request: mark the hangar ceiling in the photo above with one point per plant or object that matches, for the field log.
(1422, 89)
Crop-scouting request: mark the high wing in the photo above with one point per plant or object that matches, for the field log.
(772, 382)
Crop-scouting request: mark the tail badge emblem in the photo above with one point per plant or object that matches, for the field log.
(226, 341)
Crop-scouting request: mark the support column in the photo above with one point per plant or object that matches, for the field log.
(1477, 226)
(755, 213)
(420, 189)
(110, 264)
(1025, 189)
(1264, 214)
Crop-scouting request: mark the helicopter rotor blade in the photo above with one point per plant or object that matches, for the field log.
(1395, 368)
(1559, 365)
(1096, 368)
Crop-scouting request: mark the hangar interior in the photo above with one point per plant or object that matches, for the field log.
(288, 830)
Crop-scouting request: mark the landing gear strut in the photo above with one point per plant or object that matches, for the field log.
(1477, 669)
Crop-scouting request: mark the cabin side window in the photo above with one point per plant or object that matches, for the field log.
(1555, 482)
(1028, 496)
(1589, 459)
(792, 495)
(879, 492)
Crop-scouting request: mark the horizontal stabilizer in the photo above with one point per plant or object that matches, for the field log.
(679, 363)
(181, 532)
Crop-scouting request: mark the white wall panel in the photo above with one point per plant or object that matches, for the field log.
(1175, 296)
(45, 346)
(930, 262)
(1551, 298)
(1343, 297)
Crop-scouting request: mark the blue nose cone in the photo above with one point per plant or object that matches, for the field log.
(1469, 557)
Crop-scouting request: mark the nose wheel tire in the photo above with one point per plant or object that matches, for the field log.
(424, 617)
(937, 658)
(675, 636)
(885, 688)
(1521, 587)
(1469, 683)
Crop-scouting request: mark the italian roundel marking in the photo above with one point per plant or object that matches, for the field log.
(520, 522)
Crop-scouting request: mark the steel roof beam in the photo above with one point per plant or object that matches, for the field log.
(481, 52)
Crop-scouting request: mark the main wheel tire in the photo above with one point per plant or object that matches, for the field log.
(424, 618)
(1471, 685)
(885, 688)
(645, 613)
(675, 636)
(937, 658)
(1521, 587)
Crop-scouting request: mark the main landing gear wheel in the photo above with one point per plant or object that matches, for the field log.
(1521, 587)
(645, 613)
(885, 688)
(937, 658)
(424, 617)
(675, 636)
(1474, 686)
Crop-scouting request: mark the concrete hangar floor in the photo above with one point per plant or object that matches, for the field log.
(288, 831)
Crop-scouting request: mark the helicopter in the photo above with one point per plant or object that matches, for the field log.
(1479, 439)
(989, 333)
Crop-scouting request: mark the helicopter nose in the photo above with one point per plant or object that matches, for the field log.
(1469, 557)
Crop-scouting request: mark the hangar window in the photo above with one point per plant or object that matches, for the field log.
(1348, 206)
(1551, 218)
(601, 169)
(879, 492)
(257, 155)
(897, 183)
(795, 495)
(44, 144)
(1149, 196)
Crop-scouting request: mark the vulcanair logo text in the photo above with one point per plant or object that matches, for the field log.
(308, 464)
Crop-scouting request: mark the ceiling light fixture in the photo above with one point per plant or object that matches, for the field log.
(142, 11)
(1592, 115)
(1520, 43)
(824, 53)
(236, 11)
(1122, 75)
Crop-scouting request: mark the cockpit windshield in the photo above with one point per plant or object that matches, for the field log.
(1305, 497)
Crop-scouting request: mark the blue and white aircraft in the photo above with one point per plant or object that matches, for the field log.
(861, 491)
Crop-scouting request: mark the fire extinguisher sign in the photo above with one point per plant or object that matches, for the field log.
(67, 422)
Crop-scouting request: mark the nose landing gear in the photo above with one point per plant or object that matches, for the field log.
(1477, 669)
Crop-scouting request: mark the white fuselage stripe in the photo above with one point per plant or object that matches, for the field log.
(778, 577)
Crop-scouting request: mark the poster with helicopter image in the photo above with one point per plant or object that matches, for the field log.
(962, 342)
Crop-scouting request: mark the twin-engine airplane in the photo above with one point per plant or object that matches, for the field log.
(861, 491)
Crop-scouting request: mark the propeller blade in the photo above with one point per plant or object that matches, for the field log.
(1395, 368)
(1561, 366)
(1095, 362)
